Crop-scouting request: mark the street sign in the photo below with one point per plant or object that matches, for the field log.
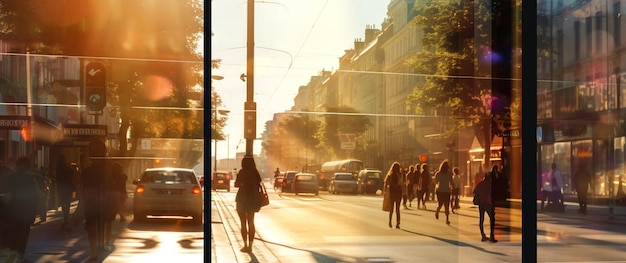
(348, 141)
(511, 133)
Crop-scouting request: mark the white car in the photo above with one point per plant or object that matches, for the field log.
(168, 192)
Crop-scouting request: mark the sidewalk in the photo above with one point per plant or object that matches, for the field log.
(225, 239)
(48, 242)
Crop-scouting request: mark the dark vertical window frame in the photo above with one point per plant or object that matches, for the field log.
(599, 28)
(576, 40)
(617, 28)
(589, 39)
(529, 131)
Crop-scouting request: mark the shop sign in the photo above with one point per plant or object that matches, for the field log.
(84, 131)
(13, 122)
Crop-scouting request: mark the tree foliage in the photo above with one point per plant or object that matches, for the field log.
(338, 120)
(149, 48)
(218, 117)
(303, 128)
(454, 55)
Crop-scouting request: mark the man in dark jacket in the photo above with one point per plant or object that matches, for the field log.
(65, 187)
(484, 197)
(98, 192)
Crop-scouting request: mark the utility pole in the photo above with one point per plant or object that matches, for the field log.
(250, 106)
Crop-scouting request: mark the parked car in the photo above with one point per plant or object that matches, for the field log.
(168, 192)
(306, 183)
(220, 180)
(343, 183)
(287, 185)
(370, 181)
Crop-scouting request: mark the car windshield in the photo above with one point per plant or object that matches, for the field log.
(167, 177)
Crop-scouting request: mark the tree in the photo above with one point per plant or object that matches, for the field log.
(153, 44)
(455, 57)
(338, 120)
(218, 117)
(303, 127)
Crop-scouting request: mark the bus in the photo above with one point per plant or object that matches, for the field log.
(352, 166)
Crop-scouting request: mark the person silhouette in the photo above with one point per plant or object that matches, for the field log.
(97, 192)
(443, 182)
(394, 183)
(484, 197)
(247, 199)
(424, 182)
(456, 189)
(582, 180)
(65, 185)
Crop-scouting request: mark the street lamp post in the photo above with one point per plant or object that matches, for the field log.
(215, 77)
(250, 105)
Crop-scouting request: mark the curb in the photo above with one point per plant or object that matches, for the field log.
(226, 239)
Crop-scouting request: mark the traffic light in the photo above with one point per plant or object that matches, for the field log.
(96, 98)
(249, 125)
(95, 86)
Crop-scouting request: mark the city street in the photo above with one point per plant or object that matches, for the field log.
(353, 228)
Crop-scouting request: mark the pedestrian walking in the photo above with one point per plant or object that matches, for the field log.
(21, 199)
(483, 196)
(552, 191)
(44, 188)
(247, 198)
(443, 182)
(456, 190)
(394, 183)
(431, 189)
(424, 182)
(410, 183)
(78, 216)
(119, 185)
(97, 195)
(65, 187)
(404, 173)
(582, 180)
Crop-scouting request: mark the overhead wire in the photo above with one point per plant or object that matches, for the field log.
(297, 54)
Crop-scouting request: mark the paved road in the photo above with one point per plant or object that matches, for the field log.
(225, 240)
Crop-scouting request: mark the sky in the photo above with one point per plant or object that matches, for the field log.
(294, 40)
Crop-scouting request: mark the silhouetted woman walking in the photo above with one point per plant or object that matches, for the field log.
(443, 183)
(394, 183)
(248, 203)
